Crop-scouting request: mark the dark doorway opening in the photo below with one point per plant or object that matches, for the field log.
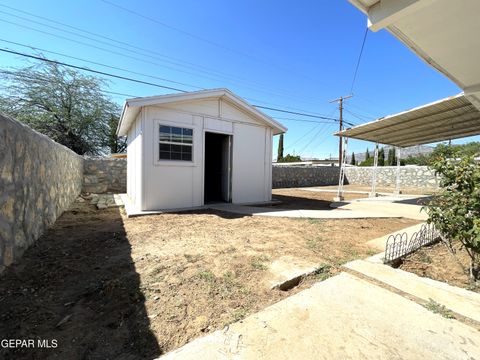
(217, 181)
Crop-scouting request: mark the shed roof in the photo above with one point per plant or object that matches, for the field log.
(132, 107)
(451, 118)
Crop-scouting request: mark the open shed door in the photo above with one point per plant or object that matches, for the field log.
(227, 168)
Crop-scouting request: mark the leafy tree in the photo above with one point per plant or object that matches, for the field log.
(367, 155)
(352, 161)
(455, 212)
(116, 144)
(280, 149)
(367, 162)
(64, 104)
(443, 151)
(455, 151)
(420, 159)
(291, 158)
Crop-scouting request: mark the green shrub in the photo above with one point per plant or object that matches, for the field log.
(455, 211)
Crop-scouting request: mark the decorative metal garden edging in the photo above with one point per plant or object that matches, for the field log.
(400, 245)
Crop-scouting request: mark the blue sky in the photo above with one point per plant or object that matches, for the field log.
(269, 52)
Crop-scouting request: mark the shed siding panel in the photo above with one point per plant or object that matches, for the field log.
(134, 175)
(248, 175)
(216, 125)
(230, 111)
(171, 185)
(208, 107)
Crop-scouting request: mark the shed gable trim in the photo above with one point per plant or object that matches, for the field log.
(133, 106)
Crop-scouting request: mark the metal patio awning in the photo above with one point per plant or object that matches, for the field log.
(451, 118)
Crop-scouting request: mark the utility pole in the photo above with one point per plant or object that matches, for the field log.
(340, 139)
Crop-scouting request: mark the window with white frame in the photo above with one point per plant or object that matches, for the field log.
(175, 143)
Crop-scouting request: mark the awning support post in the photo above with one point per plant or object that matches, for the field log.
(341, 177)
(397, 182)
(373, 193)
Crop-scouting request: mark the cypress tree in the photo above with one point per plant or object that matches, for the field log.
(381, 157)
(280, 149)
(391, 160)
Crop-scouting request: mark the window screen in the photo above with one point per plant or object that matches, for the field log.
(175, 143)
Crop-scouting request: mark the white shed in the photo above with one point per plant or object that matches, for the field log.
(186, 150)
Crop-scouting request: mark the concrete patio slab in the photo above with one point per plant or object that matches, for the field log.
(385, 207)
(362, 192)
(133, 212)
(343, 317)
(310, 214)
(461, 301)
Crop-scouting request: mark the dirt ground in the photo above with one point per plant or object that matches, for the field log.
(436, 262)
(110, 287)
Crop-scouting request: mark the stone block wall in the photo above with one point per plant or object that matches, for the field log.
(39, 179)
(300, 176)
(410, 176)
(105, 175)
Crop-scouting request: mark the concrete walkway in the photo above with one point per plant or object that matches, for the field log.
(343, 317)
(401, 208)
(357, 209)
(311, 214)
(362, 192)
(461, 301)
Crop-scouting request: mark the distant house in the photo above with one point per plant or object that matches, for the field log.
(185, 150)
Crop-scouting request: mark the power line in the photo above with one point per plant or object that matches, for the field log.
(96, 34)
(109, 51)
(90, 70)
(126, 70)
(296, 113)
(311, 140)
(145, 82)
(149, 52)
(191, 34)
(308, 132)
(358, 61)
(123, 69)
(302, 137)
(99, 64)
(173, 28)
(358, 116)
(199, 73)
(361, 108)
(286, 107)
(24, 76)
(302, 120)
(322, 139)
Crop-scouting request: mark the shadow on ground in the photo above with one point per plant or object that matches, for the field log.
(415, 201)
(222, 214)
(300, 203)
(77, 285)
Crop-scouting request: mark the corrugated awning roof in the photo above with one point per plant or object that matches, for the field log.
(451, 118)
